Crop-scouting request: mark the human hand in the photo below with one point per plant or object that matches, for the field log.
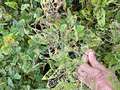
(94, 74)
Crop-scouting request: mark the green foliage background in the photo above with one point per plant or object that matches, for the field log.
(91, 24)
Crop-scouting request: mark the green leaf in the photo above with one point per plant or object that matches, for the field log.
(1, 56)
(100, 15)
(37, 0)
(63, 27)
(12, 4)
(92, 40)
(71, 19)
(65, 86)
(6, 50)
(7, 17)
(94, 2)
(98, 3)
(10, 82)
(25, 6)
(118, 16)
(17, 76)
(79, 32)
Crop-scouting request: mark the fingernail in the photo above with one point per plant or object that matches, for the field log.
(92, 54)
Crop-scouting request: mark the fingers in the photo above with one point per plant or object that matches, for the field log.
(87, 74)
(92, 60)
(92, 70)
(83, 74)
(88, 69)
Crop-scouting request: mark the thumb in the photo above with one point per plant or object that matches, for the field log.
(92, 60)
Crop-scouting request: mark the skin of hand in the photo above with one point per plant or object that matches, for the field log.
(94, 74)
